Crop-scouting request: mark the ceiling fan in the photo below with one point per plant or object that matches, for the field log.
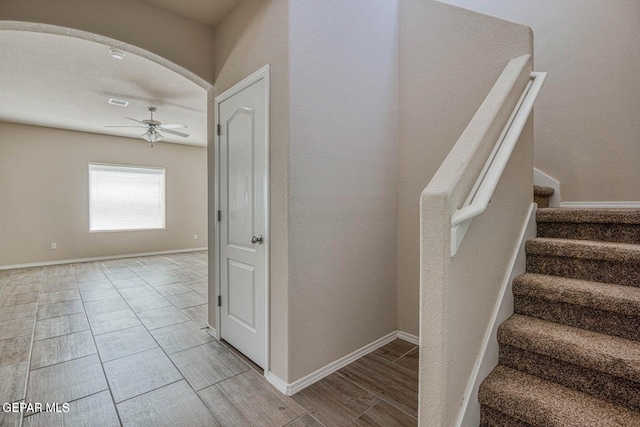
(153, 127)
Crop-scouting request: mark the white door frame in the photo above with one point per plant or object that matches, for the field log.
(262, 74)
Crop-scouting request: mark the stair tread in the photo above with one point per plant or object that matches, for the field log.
(586, 249)
(594, 216)
(539, 190)
(547, 404)
(605, 353)
(604, 296)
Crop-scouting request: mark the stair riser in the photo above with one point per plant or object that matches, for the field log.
(545, 403)
(619, 272)
(542, 201)
(490, 417)
(605, 322)
(619, 233)
(616, 390)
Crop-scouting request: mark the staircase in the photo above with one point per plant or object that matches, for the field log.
(570, 355)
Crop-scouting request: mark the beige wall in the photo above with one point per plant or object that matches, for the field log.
(586, 120)
(342, 178)
(449, 59)
(337, 206)
(332, 198)
(458, 293)
(148, 28)
(44, 194)
(253, 35)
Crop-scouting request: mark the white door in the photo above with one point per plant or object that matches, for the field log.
(243, 191)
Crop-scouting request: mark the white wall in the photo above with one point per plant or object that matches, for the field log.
(586, 119)
(342, 178)
(44, 194)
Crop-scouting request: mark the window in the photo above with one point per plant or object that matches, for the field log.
(125, 198)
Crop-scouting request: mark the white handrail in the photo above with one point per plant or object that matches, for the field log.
(486, 183)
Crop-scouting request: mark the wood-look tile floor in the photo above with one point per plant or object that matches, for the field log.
(125, 343)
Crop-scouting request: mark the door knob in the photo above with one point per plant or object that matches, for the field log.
(256, 239)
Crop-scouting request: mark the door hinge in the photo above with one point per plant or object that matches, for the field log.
(219, 129)
(219, 216)
(219, 300)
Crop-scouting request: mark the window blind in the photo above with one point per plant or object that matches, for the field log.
(126, 198)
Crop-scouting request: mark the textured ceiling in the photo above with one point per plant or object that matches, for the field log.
(65, 82)
(206, 12)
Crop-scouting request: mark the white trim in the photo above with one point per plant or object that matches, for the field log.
(266, 72)
(543, 180)
(263, 73)
(212, 331)
(216, 208)
(605, 205)
(98, 258)
(408, 337)
(487, 359)
(327, 370)
(278, 383)
(302, 383)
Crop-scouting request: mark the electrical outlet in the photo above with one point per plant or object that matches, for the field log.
(54, 246)
(195, 237)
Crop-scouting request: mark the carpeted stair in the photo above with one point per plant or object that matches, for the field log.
(541, 195)
(608, 225)
(570, 355)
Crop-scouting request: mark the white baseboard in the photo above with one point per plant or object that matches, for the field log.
(279, 384)
(212, 331)
(302, 383)
(99, 258)
(604, 205)
(408, 337)
(542, 179)
(487, 359)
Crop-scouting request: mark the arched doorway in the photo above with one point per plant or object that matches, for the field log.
(78, 301)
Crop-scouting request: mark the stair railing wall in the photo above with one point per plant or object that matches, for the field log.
(458, 293)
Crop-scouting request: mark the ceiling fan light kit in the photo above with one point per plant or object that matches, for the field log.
(153, 127)
(152, 136)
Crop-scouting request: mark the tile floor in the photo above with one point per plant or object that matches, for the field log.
(124, 342)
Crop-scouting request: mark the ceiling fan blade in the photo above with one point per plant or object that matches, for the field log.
(125, 126)
(174, 126)
(135, 120)
(173, 132)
